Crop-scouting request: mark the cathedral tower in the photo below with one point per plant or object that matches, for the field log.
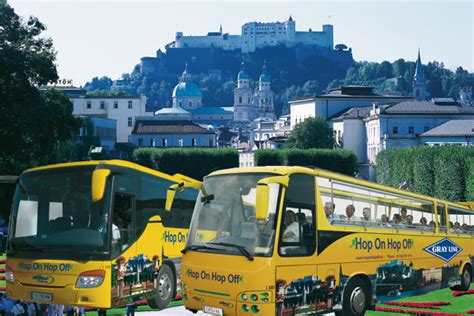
(419, 80)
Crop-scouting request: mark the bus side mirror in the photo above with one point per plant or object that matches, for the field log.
(98, 184)
(263, 195)
(170, 194)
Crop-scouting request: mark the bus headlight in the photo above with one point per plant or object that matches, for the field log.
(9, 277)
(90, 279)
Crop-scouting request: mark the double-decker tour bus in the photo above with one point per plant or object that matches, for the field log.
(96, 234)
(294, 240)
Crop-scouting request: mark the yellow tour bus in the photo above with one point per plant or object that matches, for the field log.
(96, 234)
(294, 240)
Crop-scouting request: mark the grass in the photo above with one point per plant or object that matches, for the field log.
(458, 305)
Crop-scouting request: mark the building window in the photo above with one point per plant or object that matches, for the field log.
(165, 142)
(426, 128)
(115, 104)
(395, 130)
(411, 130)
(180, 103)
(130, 121)
(140, 142)
(102, 105)
(130, 104)
(180, 142)
(190, 104)
(240, 100)
(198, 104)
(193, 142)
(152, 142)
(89, 104)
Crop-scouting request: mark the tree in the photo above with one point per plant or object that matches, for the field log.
(102, 83)
(311, 133)
(32, 126)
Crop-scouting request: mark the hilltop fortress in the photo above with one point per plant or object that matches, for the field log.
(258, 35)
(301, 56)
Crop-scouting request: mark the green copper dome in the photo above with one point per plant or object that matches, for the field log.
(187, 89)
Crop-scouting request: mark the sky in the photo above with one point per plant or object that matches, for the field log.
(97, 38)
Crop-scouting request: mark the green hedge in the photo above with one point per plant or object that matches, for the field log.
(192, 162)
(338, 160)
(440, 171)
(469, 179)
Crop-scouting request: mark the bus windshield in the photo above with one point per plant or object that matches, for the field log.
(53, 210)
(224, 220)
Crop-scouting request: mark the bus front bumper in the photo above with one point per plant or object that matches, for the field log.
(67, 295)
(198, 301)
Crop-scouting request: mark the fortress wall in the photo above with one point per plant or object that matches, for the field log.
(313, 38)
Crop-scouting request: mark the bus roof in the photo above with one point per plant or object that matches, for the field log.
(115, 162)
(286, 170)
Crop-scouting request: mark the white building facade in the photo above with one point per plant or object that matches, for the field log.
(124, 110)
(258, 35)
(336, 101)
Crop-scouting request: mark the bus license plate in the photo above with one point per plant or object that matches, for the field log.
(212, 310)
(42, 296)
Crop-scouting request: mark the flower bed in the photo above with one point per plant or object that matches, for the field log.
(413, 312)
(426, 305)
(458, 293)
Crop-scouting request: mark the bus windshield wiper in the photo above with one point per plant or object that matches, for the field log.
(196, 247)
(242, 249)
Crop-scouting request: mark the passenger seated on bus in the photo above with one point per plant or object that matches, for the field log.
(403, 215)
(432, 225)
(292, 231)
(366, 217)
(465, 228)
(305, 226)
(329, 208)
(384, 221)
(451, 227)
(423, 222)
(397, 221)
(410, 221)
(350, 210)
(457, 228)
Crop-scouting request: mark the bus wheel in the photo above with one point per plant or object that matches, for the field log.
(165, 290)
(466, 279)
(356, 297)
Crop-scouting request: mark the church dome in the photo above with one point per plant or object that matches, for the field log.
(264, 77)
(242, 75)
(187, 89)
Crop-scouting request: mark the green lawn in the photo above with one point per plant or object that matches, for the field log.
(458, 304)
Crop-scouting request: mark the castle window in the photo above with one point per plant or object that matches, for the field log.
(180, 103)
(240, 100)
(190, 104)
(89, 104)
(130, 104)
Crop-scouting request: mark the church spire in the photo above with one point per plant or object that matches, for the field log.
(220, 29)
(419, 80)
(186, 76)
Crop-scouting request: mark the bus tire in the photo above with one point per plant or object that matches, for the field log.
(466, 278)
(356, 297)
(165, 290)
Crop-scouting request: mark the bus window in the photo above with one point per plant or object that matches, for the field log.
(297, 234)
(460, 219)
